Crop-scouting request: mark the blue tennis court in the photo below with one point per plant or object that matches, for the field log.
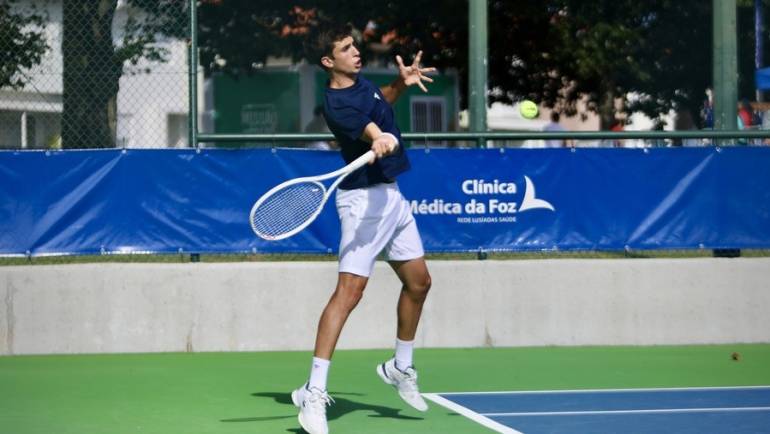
(737, 410)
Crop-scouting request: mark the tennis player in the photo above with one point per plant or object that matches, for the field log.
(374, 216)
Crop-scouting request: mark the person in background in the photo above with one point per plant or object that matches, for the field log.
(685, 122)
(555, 126)
(617, 127)
(745, 114)
(707, 113)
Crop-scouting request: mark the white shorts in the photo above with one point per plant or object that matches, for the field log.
(375, 219)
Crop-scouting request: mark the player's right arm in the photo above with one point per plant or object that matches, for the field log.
(382, 143)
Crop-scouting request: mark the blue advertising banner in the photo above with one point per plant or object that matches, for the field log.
(128, 201)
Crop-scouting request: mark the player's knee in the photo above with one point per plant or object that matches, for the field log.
(420, 287)
(349, 296)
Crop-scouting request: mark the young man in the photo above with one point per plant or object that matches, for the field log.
(374, 216)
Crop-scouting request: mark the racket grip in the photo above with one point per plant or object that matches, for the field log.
(361, 161)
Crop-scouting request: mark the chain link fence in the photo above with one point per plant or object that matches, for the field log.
(114, 73)
(93, 74)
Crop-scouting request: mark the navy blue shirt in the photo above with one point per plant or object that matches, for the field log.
(347, 112)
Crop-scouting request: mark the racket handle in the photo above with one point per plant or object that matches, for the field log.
(370, 156)
(361, 161)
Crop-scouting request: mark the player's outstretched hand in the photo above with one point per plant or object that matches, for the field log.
(413, 74)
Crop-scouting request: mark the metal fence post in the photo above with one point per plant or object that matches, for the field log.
(477, 68)
(725, 65)
(192, 66)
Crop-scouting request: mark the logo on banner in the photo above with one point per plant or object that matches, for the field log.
(530, 201)
(489, 202)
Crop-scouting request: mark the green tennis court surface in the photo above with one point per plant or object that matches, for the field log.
(249, 392)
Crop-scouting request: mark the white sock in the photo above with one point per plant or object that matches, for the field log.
(319, 371)
(404, 351)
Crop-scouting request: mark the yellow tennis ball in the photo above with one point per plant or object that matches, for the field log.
(528, 109)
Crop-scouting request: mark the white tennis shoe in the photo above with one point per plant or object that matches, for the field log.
(312, 402)
(404, 381)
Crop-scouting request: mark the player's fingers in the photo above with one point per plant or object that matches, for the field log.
(430, 69)
(388, 147)
(424, 78)
(417, 58)
(378, 147)
(400, 61)
(422, 86)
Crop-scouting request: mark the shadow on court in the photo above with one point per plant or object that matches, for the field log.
(339, 408)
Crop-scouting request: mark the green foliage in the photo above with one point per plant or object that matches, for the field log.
(552, 51)
(556, 52)
(22, 42)
(237, 36)
(148, 22)
(603, 50)
(676, 58)
(90, 109)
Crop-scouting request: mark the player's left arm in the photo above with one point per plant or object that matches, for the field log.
(407, 76)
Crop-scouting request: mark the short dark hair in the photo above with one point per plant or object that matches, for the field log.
(555, 116)
(322, 45)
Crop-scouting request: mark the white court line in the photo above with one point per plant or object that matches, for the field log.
(659, 389)
(491, 424)
(651, 411)
(485, 421)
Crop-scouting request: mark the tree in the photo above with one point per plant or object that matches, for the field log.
(93, 64)
(22, 43)
(558, 52)
(677, 57)
(555, 51)
(616, 48)
(237, 36)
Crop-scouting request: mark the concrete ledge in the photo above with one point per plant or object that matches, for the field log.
(105, 308)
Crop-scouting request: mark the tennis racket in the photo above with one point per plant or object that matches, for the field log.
(291, 206)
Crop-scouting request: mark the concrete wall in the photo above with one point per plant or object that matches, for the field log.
(95, 308)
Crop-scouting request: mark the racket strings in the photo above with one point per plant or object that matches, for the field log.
(287, 209)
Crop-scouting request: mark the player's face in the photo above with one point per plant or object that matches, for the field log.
(347, 58)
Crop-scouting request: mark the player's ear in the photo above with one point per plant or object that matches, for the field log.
(327, 62)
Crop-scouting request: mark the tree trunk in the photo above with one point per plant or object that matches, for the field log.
(607, 108)
(91, 75)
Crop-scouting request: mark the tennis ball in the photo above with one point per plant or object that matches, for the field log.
(528, 109)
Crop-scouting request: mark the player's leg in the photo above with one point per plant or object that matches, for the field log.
(406, 257)
(312, 398)
(357, 258)
(399, 371)
(347, 294)
(416, 283)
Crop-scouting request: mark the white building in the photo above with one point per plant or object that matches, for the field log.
(152, 106)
